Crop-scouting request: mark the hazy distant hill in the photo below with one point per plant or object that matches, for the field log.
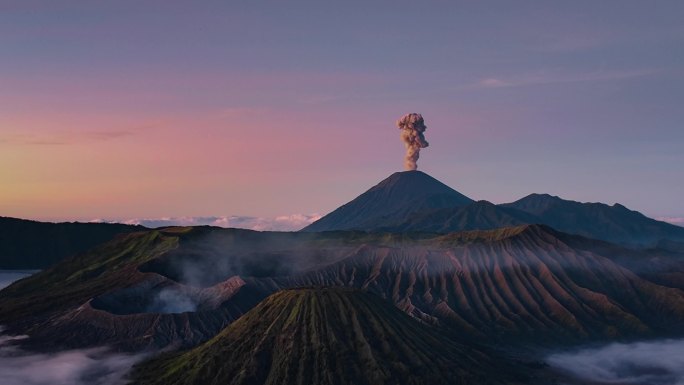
(28, 244)
(614, 223)
(323, 336)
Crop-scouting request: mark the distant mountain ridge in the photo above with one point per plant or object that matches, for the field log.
(26, 244)
(615, 223)
(416, 207)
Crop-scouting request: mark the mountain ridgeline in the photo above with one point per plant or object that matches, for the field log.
(28, 244)
(412, 201)
(410, 283)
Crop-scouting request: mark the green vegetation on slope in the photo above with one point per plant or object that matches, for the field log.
(511, 285)
(324, 336)
(37, 245)
(79, 278)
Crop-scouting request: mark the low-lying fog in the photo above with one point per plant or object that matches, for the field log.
(71, 367)
(9, 276)
(640, 363)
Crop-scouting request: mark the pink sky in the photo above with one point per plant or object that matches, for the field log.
(121, 110)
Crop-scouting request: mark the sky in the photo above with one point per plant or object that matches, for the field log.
(154, 109)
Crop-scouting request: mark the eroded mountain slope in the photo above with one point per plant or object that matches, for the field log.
(181, 286)
(324, 336)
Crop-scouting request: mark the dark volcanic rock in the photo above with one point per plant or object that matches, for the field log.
(391, 201)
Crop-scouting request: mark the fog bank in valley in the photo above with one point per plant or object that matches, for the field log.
(640, 363)
(71, 367)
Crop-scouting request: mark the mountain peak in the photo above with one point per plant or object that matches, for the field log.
(536, 203)
(544, 196)
(390, 201)
(417, 183)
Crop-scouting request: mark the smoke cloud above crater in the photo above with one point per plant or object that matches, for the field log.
(172, 301)
(641, 363)
(412, 127)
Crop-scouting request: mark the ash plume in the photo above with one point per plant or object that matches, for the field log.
(412, 127)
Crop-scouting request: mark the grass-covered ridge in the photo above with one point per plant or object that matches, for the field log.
(82, 277)
(327, 336)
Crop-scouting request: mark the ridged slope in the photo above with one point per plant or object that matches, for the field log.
(521, 284)
(510, 284)
(327, 337)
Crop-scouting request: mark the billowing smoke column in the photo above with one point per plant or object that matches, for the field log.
(412, 127)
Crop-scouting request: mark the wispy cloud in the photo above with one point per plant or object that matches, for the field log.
(551, 77)
(642, 363)
(573, 43)
(64, 138)
(72, 367)
(234, 112)
(55, 137)
(291, 222)
(106, 135)
(674, 220)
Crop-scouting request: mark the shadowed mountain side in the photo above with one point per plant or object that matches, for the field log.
(37, 245)
(89, 325)
(414, 201)
(391, 201)
(616, 223)
(481, 215)
(75, 281)
(107, 296)
(667, 244)
(662, 266)
(509, 284)
(54, 305)
(328, 337)
(520, 284)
